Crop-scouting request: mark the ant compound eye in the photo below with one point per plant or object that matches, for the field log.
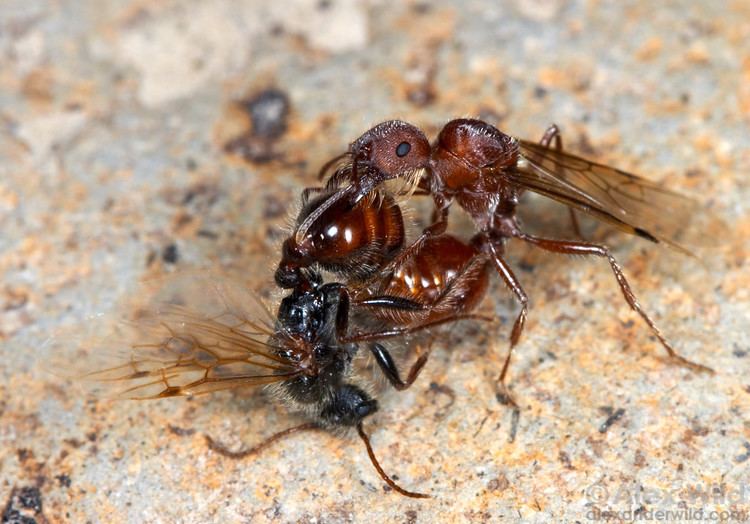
(403, 149)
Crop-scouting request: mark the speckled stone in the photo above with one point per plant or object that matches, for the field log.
(128, 150)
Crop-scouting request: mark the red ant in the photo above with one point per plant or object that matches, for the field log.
(486, 171)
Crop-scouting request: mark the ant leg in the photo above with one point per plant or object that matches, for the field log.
(342, 313)
(389, 369)
(438, 227)
(574, 222)
(445, 305)
(550, 134)
(345, 302)
(553, 133)
(400, 331)
(390, 302)
(510, 279)
(586, 249)
(223, 450)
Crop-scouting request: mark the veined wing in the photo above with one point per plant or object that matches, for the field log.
(631, 203)
(197, 335)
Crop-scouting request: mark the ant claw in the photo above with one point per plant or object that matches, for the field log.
(504, 397)
(700, 368)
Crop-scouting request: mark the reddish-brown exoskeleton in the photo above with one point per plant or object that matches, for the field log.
(486, 171)
(362, 243)
(353, 240)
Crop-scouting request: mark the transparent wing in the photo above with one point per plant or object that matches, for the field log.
(633, 204)
(195, 334)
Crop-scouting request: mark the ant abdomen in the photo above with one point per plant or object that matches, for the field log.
(446, 275)
(351, 241)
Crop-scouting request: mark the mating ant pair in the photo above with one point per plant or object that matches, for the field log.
(308, 353)
(353, 228)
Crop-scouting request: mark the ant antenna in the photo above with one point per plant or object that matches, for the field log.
(380, 470)
(223, 450)
(330, 163)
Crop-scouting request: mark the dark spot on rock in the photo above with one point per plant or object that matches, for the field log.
(411, 517)
(268, 112)
(273, 208)
(739, 353)
(526, 267)
(91, 436)
(24, 506)
(614, 416)
(64, 480)
(15, 299)
(421, 95)
(276, 30)
(500, 483)
(169, 254)
(181, 432)
(422, 7)
(191, 164)
(565, 460)
(30, 498)
(540, 92)
(324, 4)
(745, 456)
(205, 233)
(699, 431)
(251, 148)
(200, 195)
(73, 442)
(274, 233)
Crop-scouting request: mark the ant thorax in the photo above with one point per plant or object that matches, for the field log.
(306, 333)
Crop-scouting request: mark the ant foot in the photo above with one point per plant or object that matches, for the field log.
(700, 368)
(504, 397)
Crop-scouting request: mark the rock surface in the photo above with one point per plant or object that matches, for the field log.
(131, 148)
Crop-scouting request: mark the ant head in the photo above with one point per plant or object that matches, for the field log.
(348, 406)
(393, 148)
